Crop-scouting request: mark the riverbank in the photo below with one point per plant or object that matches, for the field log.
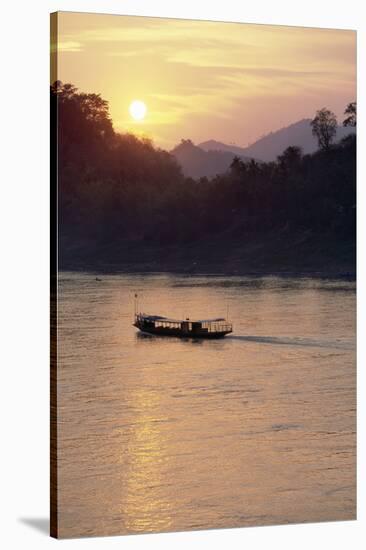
(304, 255)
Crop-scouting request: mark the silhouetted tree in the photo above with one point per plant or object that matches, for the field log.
(237, 166)
(351, 111)
(324, 127)
(290, 158)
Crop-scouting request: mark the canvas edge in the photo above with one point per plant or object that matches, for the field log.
(54, 527)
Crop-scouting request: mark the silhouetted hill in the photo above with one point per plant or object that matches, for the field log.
(273, 144)
(197, 163)
(213, 145)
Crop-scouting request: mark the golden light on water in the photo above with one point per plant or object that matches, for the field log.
(138, 110)
(167, 435)
(144, 504)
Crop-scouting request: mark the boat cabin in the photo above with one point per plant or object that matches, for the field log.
(204, 328)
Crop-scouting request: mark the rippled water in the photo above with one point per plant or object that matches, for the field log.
(163, 434)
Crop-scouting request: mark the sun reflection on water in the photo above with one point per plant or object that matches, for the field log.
(144, 507)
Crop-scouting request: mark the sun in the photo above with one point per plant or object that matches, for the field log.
(138, 109)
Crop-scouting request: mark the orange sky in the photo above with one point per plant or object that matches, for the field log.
(232, 82)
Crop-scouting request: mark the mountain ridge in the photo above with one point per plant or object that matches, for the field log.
(212, 157)
(198, 163)
(268, 147)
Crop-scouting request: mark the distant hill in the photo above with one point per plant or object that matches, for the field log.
(213, 145)
(212, 157)
(197, 163)
(273, 144)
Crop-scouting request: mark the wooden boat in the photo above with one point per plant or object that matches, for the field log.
(187, 328)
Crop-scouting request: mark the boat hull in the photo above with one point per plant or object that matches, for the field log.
(160, 331)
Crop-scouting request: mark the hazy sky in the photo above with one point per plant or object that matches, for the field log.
(232, 82)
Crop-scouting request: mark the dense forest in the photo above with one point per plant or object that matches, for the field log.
(124, 203)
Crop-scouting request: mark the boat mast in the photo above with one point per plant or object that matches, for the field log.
(136, 304)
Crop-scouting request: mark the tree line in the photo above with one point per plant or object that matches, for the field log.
(115, 187)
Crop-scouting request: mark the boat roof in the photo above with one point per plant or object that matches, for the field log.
(168, 320)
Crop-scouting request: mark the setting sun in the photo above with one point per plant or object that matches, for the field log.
(138, 110)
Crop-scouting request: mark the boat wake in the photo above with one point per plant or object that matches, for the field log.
(285, 341)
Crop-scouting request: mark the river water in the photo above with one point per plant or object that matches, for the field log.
(162, 434)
